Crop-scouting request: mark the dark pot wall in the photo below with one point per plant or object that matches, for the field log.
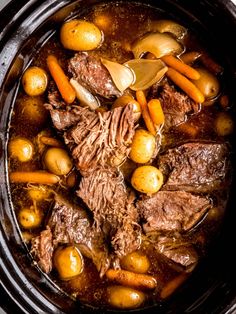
(212, 288)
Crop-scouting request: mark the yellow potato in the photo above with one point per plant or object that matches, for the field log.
(124, 297)
(39, 193)
(125, 100)
(208, 84)
(21, 148)
(224, 124)
(143, 146)
(80, 35)
(29, 217)
(135, 262)
(68, 262)
(32, 110)
(147, 179)
(34, 81)
(57, 161)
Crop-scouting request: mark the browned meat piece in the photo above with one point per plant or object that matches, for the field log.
(176, 106)
(101, 138)
(196, 167)
(93, 75)
(114, 213)
(172, 211)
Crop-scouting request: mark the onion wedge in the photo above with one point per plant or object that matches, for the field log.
(169, 26)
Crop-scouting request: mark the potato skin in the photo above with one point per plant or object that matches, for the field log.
(208, 84)
(124, 297)
(57, 161)
(224, 124)
(29, 217)
(80, 35)
(21, 148)
(147, 179)
(135, 262)
(143, 146)
(34, 81)
(32, 110)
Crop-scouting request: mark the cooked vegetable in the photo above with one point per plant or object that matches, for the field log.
(143, 146)
(189, 129)
(147, 72)
(125, 100)
(208, 84)
(190, 57)
(136, 262)
(32, 110)
(71, 179)
(156, 112)
(66, 90)
(156, 43)
(181, 67)
(172, 285)
(122, 76)
(84, 96)
(224, 124)
(68, 262)
(147, 179)
(39, 193)
(80, 35)
(57, 161)
(34, 177)
(187, 86)
(50, 141)
(169, 26)
(34, 81)
(141, 98)
(224, 101)
(21, 148)
(210, 64)
(30, 217)
(125, 297)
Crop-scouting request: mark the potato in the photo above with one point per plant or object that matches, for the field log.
(135, 262)
(80, 35)
(125, 100)
(39, 193)
(224, 124)
(29, 217)
(21, 148)
(34, 81)
(32, 110)
(143, 146)
(124, 298)
(57, 161)
(68, 262)
(147, 179)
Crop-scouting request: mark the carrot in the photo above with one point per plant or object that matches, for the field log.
(155, 111)
(34, 177)
(210, 64)
(189, 129)
(61, 80)
(172, 285)
(50, 141)
(187, 86)
(181, 67)
(190, 57)
(141, 98)
(128, 278)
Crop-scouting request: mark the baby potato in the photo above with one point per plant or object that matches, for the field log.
(68, 262)
(32, 110)
(57, 161)
(135, 262)
(143, 146)
(147, 179)
(39, 193)
(29, 217)
(124, 100)
(21, 148)
(224, 124)
(34, 81)
(80, 35)
(124, 297)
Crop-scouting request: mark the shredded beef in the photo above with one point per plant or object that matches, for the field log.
(196, 167)
(172, 210)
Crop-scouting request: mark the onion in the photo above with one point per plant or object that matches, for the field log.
(121, 75)
(84, 96)
(158, 44)
(169, 26)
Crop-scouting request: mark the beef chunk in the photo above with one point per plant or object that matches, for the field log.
(172, 211)
(114, 214)
(176, 106)
(89, 71)
(196, 167)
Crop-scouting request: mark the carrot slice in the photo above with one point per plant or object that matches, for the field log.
(187, 86)
(141, 98)
(156, 112)
(65, 88)
(50, 141)
(190, 57)
(34, 177)
(181, 67)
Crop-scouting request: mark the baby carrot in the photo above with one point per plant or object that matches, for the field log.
(50, 141)
(188, 87)
(66, 90)
(156, 112)
(128, 278)
(34, 177)
(190, 57)
(141, 98)
(181, 67)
